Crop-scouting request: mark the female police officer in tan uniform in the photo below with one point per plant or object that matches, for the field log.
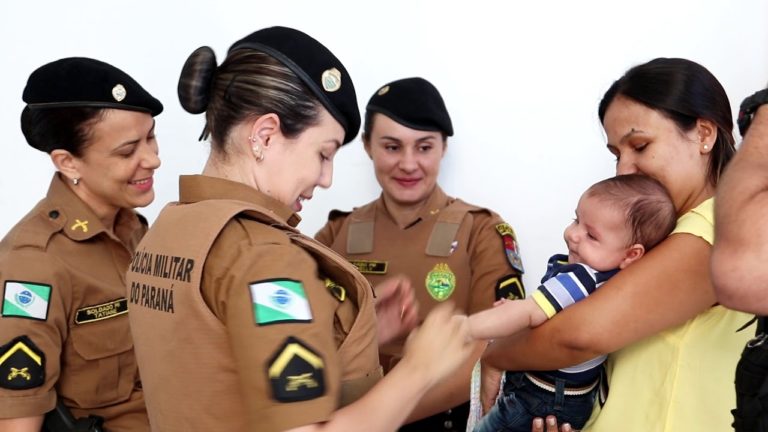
(64, 332)
(240, 322)
(448, 248)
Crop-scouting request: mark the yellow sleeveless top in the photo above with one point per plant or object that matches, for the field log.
(682, 378)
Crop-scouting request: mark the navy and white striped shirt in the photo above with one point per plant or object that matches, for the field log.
(563, 285)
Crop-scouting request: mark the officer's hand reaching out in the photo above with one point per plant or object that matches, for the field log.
(397, 311)
(440, 345)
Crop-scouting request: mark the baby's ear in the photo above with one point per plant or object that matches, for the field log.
(633, 253)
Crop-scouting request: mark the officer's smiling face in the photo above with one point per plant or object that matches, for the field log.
(406, 161)
(117, 162)
(293, 167)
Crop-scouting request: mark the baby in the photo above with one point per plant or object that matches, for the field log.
(617, 221)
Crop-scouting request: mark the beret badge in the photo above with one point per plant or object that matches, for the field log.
(331, 79)
(118, 92)
(382, 91)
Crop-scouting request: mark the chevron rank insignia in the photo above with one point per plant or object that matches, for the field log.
(296, 373)
(22, 365)
(510, 287)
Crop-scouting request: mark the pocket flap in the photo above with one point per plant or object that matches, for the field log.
(103, 338)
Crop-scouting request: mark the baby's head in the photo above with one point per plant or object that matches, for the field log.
(618, 220)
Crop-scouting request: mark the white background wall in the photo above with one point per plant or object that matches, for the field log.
(522, 81)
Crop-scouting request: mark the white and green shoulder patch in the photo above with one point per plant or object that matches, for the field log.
(279, 301)
(26, 300)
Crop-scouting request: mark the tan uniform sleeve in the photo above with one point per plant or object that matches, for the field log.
(493, 276)
(264, 342)
(328, 233)
(32, 331)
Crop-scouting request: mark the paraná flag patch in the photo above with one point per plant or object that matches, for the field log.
(26, 300)
(279, 301)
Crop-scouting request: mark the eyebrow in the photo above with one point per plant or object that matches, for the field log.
(136, 141)
(391, 138)
(418, 140)
(630, 133)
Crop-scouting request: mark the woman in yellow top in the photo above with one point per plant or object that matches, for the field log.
(673, 348)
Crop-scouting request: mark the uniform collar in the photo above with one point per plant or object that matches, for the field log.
(436, 201)
(77, 220)
(196, 188)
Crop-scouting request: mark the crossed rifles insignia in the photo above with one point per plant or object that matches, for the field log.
(80, 224)
(23, 372)
(296, 381)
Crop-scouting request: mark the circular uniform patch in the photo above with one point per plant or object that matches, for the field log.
(440, 282)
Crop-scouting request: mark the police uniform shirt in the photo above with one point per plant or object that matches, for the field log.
(451, 250)
(293, 331)
(63, 325)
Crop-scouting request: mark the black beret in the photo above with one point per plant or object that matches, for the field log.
(314, 64)
(85, 82)
(414, 103)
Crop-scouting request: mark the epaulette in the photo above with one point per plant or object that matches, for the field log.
(37, 230)
(441, 240)
(335, 214)
(462, 205)
(480, 210)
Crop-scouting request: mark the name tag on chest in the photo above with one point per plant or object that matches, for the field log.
(101, 311)
(370, 266)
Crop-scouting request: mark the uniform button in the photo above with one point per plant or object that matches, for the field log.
(53, 214)
(448, 424)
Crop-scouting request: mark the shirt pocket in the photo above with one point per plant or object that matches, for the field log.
(343, 320)
(102, 366)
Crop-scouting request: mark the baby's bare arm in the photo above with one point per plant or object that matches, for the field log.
(506, 319)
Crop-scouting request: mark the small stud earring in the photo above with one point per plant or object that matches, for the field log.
(258, 153)
(75, 181)
(256, 148)
(706, 147)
